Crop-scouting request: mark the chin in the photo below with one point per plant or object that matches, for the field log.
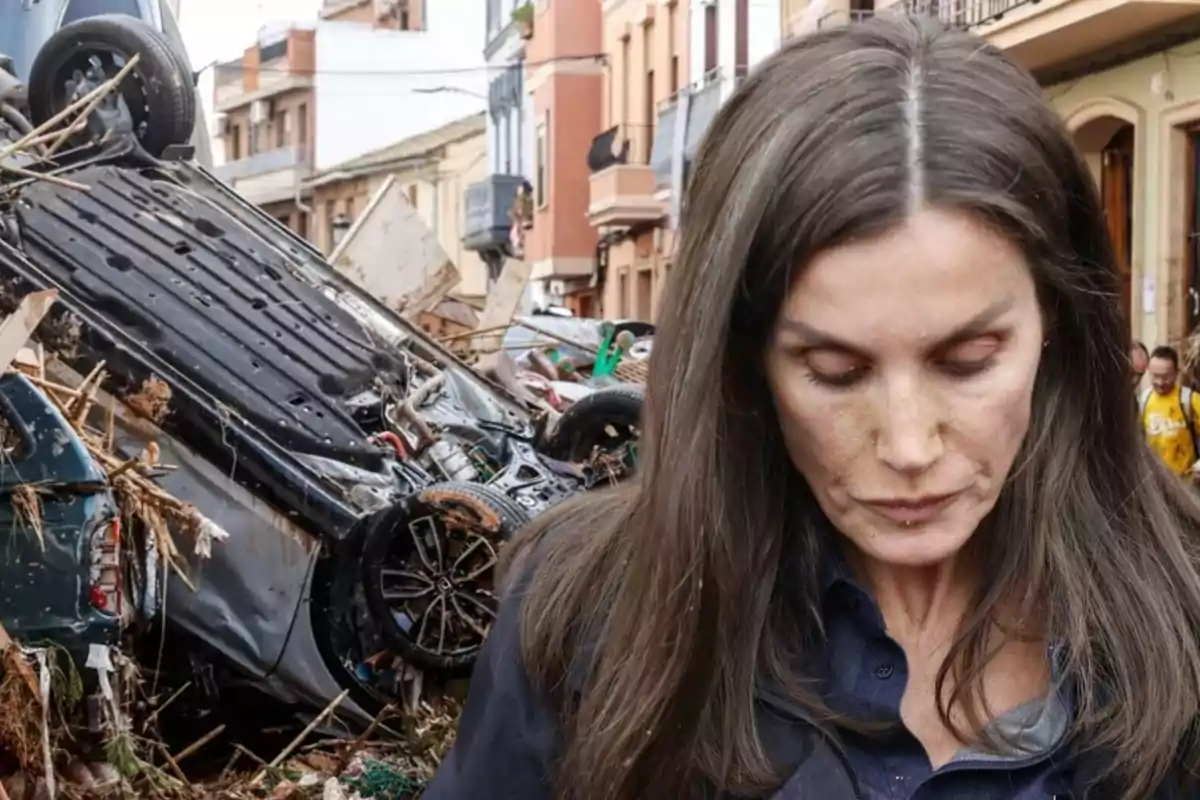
(918, 546)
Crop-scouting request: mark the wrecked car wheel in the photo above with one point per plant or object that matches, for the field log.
(600, 430)
(158, 93)
(429, 566)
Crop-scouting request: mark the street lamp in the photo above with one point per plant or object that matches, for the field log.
(448, 89)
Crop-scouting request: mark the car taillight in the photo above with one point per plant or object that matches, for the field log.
(105, 591)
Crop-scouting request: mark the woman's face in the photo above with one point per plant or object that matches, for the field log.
(902, 368)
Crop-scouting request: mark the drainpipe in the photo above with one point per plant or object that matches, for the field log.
(304, 208)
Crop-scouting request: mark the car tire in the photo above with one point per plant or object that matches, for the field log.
(162, 99)
(586, 423)
(496, 517)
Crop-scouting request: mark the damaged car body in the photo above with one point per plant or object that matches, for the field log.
(59, 562)
(366, 477)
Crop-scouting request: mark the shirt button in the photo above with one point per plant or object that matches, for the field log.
(883, 671)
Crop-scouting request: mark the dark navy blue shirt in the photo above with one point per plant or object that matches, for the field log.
(865, 679)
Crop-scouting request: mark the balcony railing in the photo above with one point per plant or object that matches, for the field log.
(621, 144)
(964, 13)
(491, 205)
(845, 16)
(622, 183)
(700, 102)
(261, 163)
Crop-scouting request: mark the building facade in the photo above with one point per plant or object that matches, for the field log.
(434, 170)
(365, 74)
(543, 106)
(1125, 76)
(670, 66)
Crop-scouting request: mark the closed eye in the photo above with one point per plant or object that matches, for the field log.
(833, 368)
(971, 357)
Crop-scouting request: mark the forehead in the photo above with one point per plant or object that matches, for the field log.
(1161, 365)
(913, 284)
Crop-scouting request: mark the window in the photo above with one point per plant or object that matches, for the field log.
(235, 142)
(649, 96)
(302, 225)
(623, 295)
(542, 187)
(282, 129)
(645, 294)
(741, 44)
(648, 111)
(673, 84)
(504, 130)
(404, 22)
(330, 215)
(710, 38)
(626, 80)
(350, 203)
(414, 196)
(302, 124)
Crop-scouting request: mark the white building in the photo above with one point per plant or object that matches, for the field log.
(375, 86)
(510, 106)
(752, 24)
(306, 96)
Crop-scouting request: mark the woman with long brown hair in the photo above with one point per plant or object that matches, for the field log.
(895, 533)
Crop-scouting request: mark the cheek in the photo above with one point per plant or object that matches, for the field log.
(824, 436)
(988, 423)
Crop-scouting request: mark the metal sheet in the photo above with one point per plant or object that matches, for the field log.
(248, 593)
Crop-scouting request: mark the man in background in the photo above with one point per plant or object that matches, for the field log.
(1168, 412)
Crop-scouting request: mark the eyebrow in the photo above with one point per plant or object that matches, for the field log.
(976, 326)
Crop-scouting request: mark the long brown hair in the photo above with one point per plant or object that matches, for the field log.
(666, 599)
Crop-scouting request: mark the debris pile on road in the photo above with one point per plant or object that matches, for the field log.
(206, 376)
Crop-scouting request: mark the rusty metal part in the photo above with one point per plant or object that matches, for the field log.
(409, 409)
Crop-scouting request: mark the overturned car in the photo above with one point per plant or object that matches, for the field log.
(365, 476)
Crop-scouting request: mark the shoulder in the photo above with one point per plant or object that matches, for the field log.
(1192, 397)
(510, 735)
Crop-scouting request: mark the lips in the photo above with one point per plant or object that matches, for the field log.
(911, 511)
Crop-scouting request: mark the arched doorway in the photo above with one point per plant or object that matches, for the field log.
(1107, 144)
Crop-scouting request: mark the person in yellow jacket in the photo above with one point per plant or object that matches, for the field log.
(1168, 413)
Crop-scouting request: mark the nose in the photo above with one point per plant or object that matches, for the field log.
(909, 439)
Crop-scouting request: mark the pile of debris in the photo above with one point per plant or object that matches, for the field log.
(200, 401)
(55, 740)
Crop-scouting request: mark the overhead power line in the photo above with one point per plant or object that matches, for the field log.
(237, 66)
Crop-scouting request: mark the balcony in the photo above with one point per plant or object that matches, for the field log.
(622, 182)
(232, 95)
(694, 108)
(1046, 34)
(490, 207)
(267, 177)
(801, 16)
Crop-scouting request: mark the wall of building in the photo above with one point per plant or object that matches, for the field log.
(744, 32)
(567, 94)
(291, 125)
(653, 56)
(435, 190)
(1160, 96)
(376, 86)
(637, 272)
(464, 163)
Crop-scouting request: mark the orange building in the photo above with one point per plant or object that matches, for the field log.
(1125, 76)
(543, 107)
